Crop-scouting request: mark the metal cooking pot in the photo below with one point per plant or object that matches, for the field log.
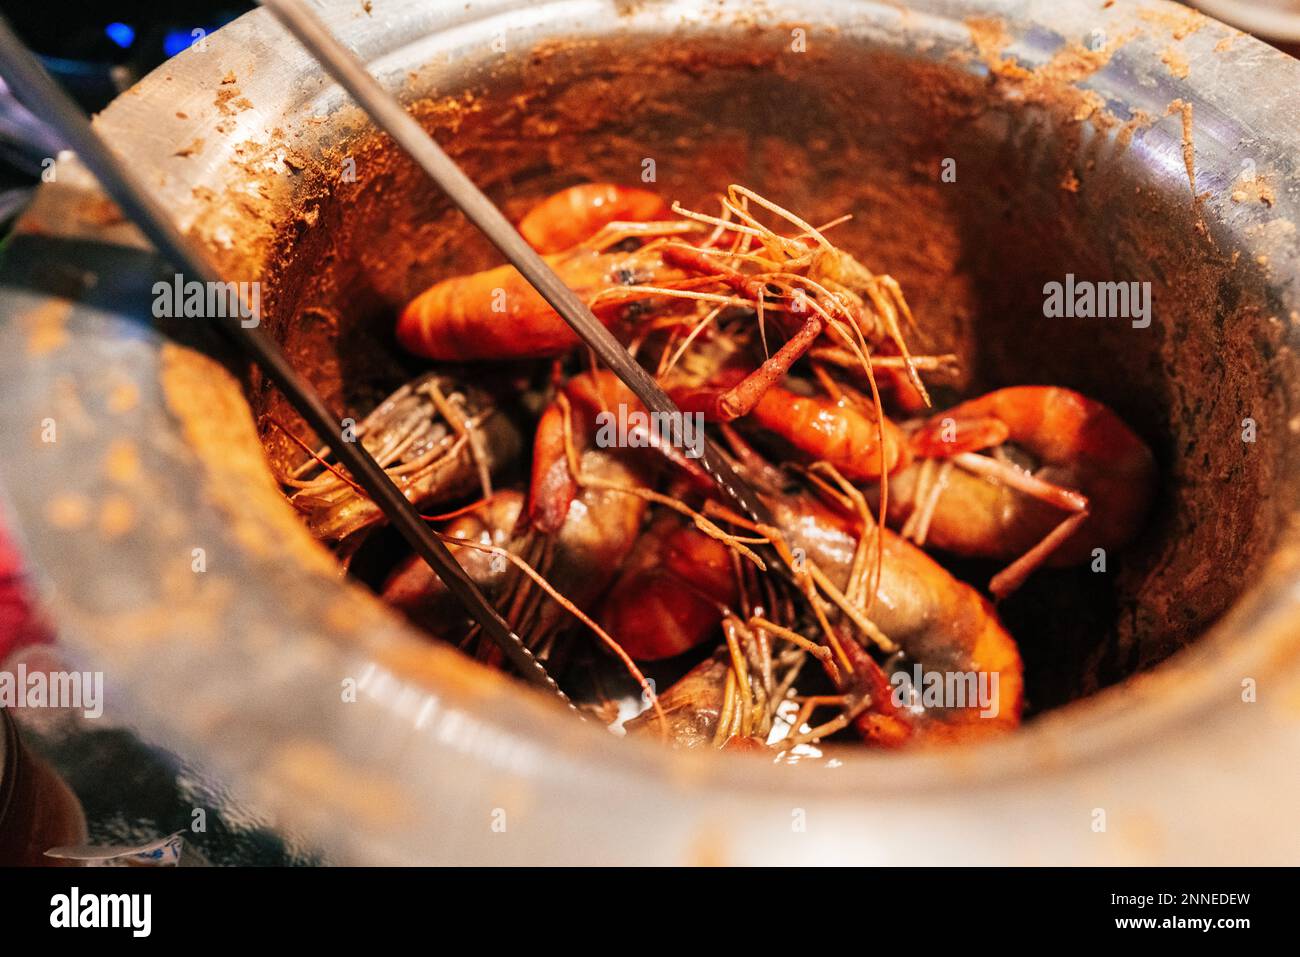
(1136, 143)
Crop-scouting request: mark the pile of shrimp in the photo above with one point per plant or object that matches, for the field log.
(621, 565)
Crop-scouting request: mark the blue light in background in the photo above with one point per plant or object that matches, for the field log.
(121, 34)
(177, 40)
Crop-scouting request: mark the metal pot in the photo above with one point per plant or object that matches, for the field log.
(1125, 144)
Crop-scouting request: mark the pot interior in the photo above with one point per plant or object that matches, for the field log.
(847, 128)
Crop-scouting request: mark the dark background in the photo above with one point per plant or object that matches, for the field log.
(96, 49)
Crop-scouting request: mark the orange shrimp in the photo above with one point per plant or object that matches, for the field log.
(1087, 465)
(804, 282)
(672, 594)
(846, 434)
(596, 537)
(578, 550)
(572, 215)
(497, 314)
(416, 590)
(940, 624)
(679, 586)
(834, 431)
(592, 540)
(579, 560)
(553, 484)
(675, 589)
(808, 285)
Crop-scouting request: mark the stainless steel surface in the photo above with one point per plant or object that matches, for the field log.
(240, 666)
(1273, 20)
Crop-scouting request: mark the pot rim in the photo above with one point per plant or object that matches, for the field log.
(1260, 634)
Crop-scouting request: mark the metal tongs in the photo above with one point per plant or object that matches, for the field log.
(34, 86)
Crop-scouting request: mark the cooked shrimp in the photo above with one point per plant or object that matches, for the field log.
(572, 215)
(436, 438)
(416, 590)
(497, 314)
(693, 705)
(937, 622)
(1088, 484)
(835, 430)
(673, 593)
